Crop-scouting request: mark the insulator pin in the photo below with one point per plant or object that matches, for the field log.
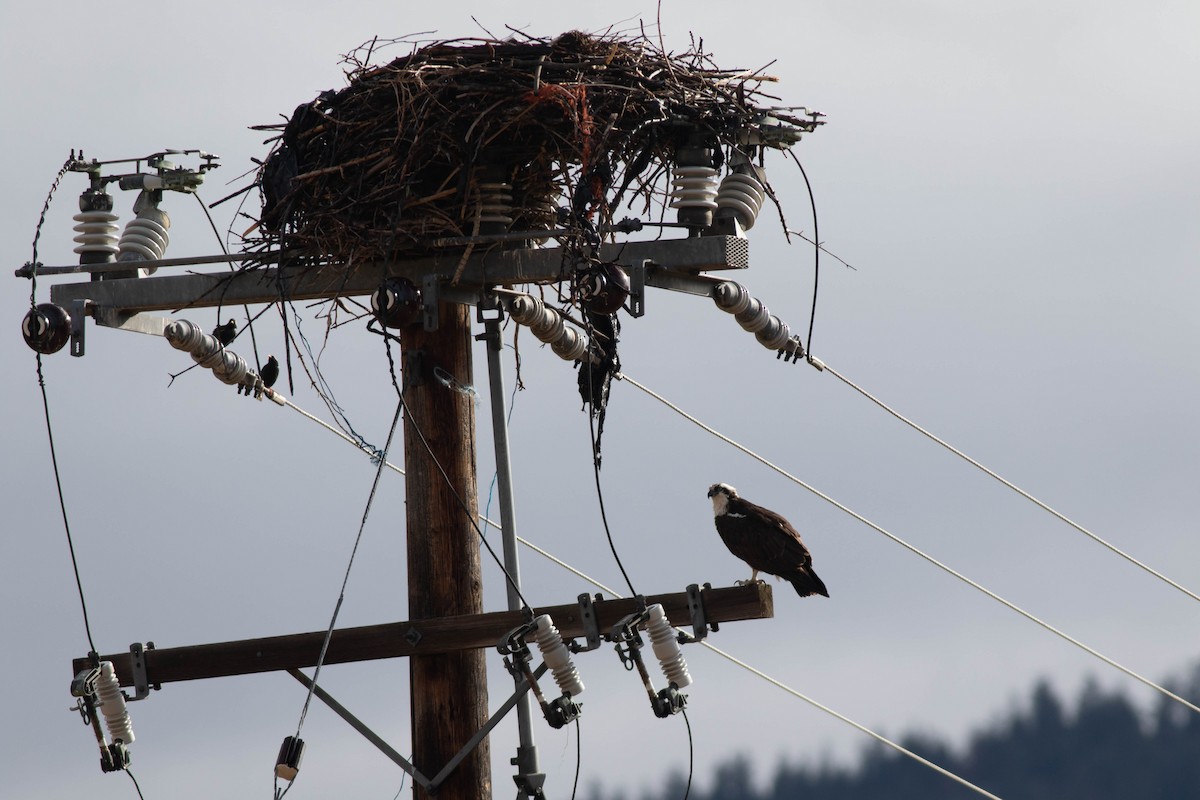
(666, 647)
(112, 704)
(557, 657)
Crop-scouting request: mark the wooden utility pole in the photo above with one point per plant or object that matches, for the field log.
(447, 634)
(448, 691)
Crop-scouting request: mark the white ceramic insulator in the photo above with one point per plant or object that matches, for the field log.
(666, 647)
(775, 335)
(732, 297)
(743, 196)
(695, 187)
(496, 203)
(96, 233)
(570, 346)
(112, 704)
(206, 351)
(755, 317)
(557, 656)
(183, 334)
(145, 237)
(549, 326)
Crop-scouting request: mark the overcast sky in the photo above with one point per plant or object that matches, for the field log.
(1016, 186)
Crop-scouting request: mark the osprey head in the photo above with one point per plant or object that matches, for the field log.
(721, 494)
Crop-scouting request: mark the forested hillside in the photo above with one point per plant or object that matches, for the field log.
(1099, 747)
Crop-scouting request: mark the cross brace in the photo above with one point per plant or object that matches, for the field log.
(416, 637)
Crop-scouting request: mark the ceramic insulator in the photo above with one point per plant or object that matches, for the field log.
(666, 647)
(548, 326)
(496, 203)
(112, 704)
(206, 351)
(557, 657)
(96, 233)
(145, 237)
(741, 196)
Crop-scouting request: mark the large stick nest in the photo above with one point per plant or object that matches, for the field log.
(578, 126)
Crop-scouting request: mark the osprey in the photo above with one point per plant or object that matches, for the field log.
(764, 540)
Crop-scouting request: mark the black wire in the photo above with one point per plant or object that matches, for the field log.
(41, 379)
(225, 250)
(691, 754)
(346, 579)
(62, 504)
(596, 468)
(578, 759)
(135, 783)
(130, 773)
(446, 476)
(816, 253)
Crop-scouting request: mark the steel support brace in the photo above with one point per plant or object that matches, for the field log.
(428, 784)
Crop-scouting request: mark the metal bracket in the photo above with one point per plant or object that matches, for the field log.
(414, 368)
(137, 660)
(429, 300)
(637, 288)
(79, 310)
(126, 321)
(430, 785)
(695, 599)
(591, 628)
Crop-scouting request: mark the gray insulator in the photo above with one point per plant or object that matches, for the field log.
(741, 196)
(183, 335)
(548, 326)
(732, 297)
(570, 346)
(753, 316)
(206, 351)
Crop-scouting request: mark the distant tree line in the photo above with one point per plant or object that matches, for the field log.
(1104, 748)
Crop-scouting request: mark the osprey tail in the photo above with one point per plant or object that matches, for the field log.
(807, 583)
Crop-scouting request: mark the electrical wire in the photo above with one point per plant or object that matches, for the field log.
(136, 786)
(245, 308)
(600, 499)
(578, 759)
(1094, 537)
(691, 754)
(915, 550)
(816, 253)
(41, 380)
(471, 517)
(346, 578)
(596, 461)
(614, 593)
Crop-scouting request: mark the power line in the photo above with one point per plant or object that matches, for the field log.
(1094, 537)
(346, 578)
(41, 380)
(913, 549)
(614, 593)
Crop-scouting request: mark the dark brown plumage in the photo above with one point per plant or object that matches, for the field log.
(764, 540)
